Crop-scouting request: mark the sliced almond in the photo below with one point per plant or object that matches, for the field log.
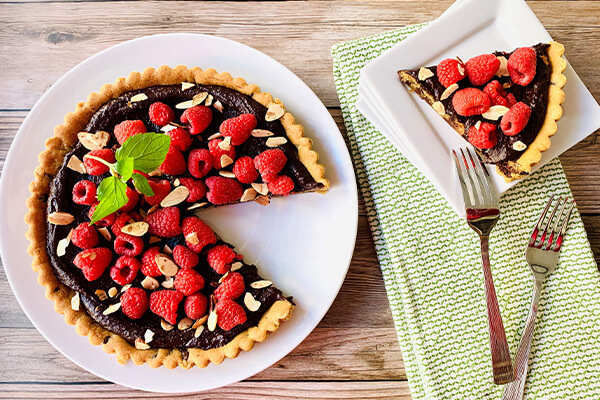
(503, 68)
(156, 172)
(112, 292)
(261, 284)
(439, 108)
(111, 309)
(61, 246)
(104, 232)
(166, 265)
(461, 69)
(75, 300)
(184, 324)
(154, 239)
(424, 73)
(192, 238)
(177, 195)
(199, 98)
(140, 344)
(261, 188)
(495, 112)
(274, 112)
(137, 229)
(209, 100)
(214, 136)
(250, 302)
(149, 283)
(187, 85)
(197, 205)
(226, 160)
(262, 133)
(148, 336)
(167, 128)
(199, 331)
(176, 182)
(101, 294)
(249, 195)
(124, 288)
(225, 144)
(91, 256)
(236, 265)
(276, 141)
(225, 275)
(165, 325)
(168, 283)
(200, 321)
(477, 124)
(60, 218)
(449, 90)
(138, 97)
(262, 200)
(184, 104)
(519, 146)
(227, 174)
(167, 249)
(212, 321)
(152, 209)
(94, 141)
(76, 164)
(218, 106)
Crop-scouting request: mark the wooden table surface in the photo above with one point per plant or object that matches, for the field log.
(353, 353)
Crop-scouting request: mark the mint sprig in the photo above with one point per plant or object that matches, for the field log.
(143, 152)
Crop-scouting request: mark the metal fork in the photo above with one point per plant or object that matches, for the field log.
(481, 202)
(542, 256)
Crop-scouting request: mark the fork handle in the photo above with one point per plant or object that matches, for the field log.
(514, 390)
(501, 362)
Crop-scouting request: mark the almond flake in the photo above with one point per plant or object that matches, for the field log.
(75, 300)
(262, 133)
(156, 172)
(261, 188)
(519, 146)
(167, 128)
(140, 344)
(165, 325)
(124, 288)
(91, 256)
(152, 209)
(154, 239)
(192, 238)
(166, 265)
(138, 97)
(177, 195)
(60, 218)
(224, 277)
(424, 73)
(137, 229)
(168, 283)
(187, 85)
(212, 321)
(226, 160)
(274, 112)
(176, 182)
(449, 90)
(236, 265)
(506, 85)
(200, 321)
(495, 112)
(94, 141)
(111, 309)
(218, 106)
(502, 69)
(184, 104)
(150, 283)
(262, 200)
(101, 294)
(227, 174)
(276, 141)
(112, 292)
(61, 246)
(199, 331)
(461, 69)
(225, 144)
(148, 336)
(199, 98)
(196, 205)
(184, 324)
(76, 165)
(250, 302)
(167, 249)
(104, 232)
(214, 136)
(439, 107)
(249, 195)
(209, 100)
(260, 284)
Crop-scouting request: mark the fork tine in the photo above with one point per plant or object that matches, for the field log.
(490, 189)
(545, 232)
(476, 184)
(559, 240)
(466, 187)
(554, 230)
(479, 177)
(538, 225)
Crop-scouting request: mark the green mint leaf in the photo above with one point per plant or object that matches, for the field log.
(141, 184)
(111, 194)
(147, 149)
(125, 168)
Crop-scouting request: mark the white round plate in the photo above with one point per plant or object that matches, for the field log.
(303, 243)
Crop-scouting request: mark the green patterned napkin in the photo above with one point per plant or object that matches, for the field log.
(430, 261)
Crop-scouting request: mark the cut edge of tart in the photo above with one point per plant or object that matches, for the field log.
(66, 299)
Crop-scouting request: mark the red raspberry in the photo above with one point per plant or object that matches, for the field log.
(149, 267)
(180, 139)
(188, 281)
(93, 262)
(229, 314)
(522, 65)
(511, 100)
(231, 288)
(125, 270)
(484, 137)
(84, 192)
(164, 303)
(498, 95)
(174, 163)
(195, 305)
(220, 257)
(223, 190)
(239, 128)
(94, 167)
(127, 245)
(106, 221)
(132, 199)
(216, 152)
(200, 162)
(165, 222)
(197, 118)
(127, 129)
(482, 68)
(196, 187)
(120, 222)
(161, 114)
(184, 257)
(450, 71)
(84, 236)
(470, 101)
(515, 119)
(134, 302)
(244, 170)
(281, 185)
(270, 162)
(161, 189)
(197, 233)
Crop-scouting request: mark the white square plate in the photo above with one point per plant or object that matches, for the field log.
(468, 28)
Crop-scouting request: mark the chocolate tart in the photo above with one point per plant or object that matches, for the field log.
(90, 305)
(514, 156)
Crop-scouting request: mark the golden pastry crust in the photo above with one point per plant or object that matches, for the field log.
(51, 159)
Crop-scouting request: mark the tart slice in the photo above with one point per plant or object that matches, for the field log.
(115, 215)
(505, 104)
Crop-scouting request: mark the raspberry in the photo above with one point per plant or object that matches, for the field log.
(197, 233)
(174, 163)
(161, 189)
(184, 257)
(125, 270)
(244, 170)
(219, 258)
(522, 65)
(188, 281)
(470, 101)
(450, 71)
(481, 69)
(484, 137)
(134, 302)
(161, 114)
(270, 162)
(196, 187)
(84, 192)
(127, 245)
(281, 185)
(197, 118)
(195, 305)
(120, 222)
(515, 119)
(216, 152)
(498, 95)
(223, 190)
(84, 236)
(149, 267)
(106, 221)
(93, 262)
(511, 100)
(180, 139)
(164, 303)
(94, 167)
(231, 288)
(239, 128)
(200, 162)
(229, 314)
(132, 199)
(164, 222)
(127, 129)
